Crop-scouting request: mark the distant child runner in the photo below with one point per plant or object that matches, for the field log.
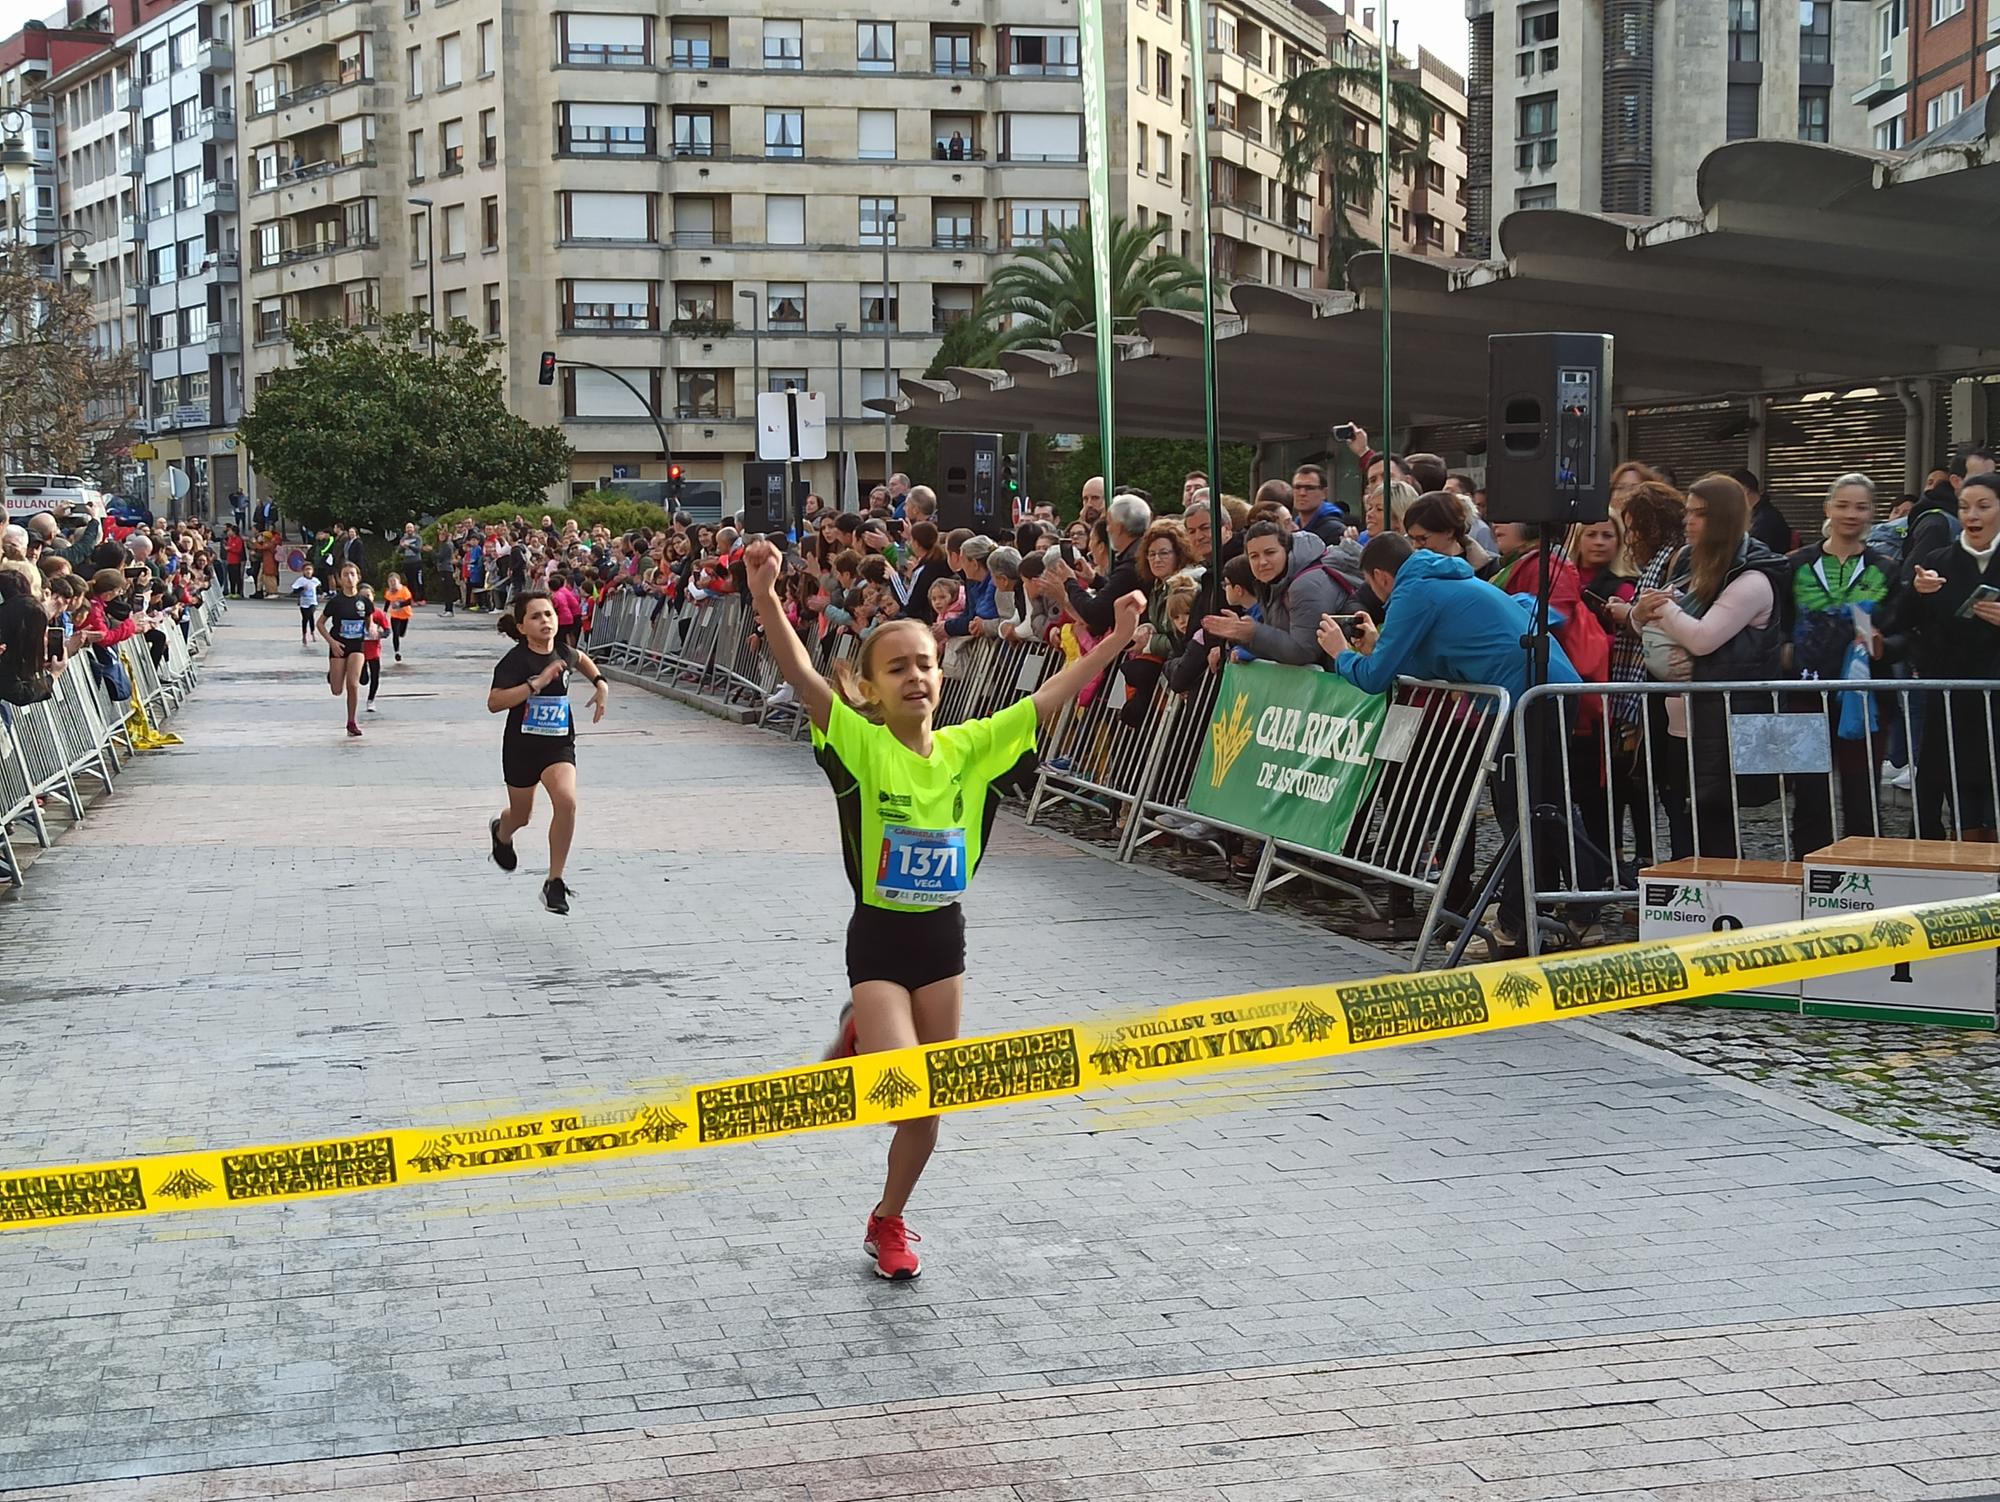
(538, 746)
(396, 595)
(345, 625)
(305, 589)
(371, 651)
(906, 941)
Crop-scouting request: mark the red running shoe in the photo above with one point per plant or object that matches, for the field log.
(352, 728)
(846, 1041)
(889, 1244)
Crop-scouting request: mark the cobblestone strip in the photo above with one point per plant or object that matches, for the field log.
(1884, 1407)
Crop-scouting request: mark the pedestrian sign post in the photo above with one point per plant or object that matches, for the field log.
(791, 425)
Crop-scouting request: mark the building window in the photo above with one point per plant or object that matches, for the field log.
(786, 380)
(1535, 133)
(784, 220)
(1816, 33)
(694, 133)
(1943, 10)
(876, 135)
(784, 44)
(878, 308)
(1042, 53)
(878, 221)
(951, 52)
(784, 133)
(1139, 158)
(608, 41)
(1743, 31)
(489, 137)
(1166, 166)
(1945, 108)
(1740, 112)
(1139, 74)
(420, 247)
(875, 46)
(156, 64)
(487, 62)
(1536, 39)
(785, 306)
(1812, 114)
(489, 224)
(1535, 198)
(416, 156)
(492, 310)
(454, 305)
(451, 148)
(1163, 74)
(451, 62)
(413, 64)
(1889, 135)
(1889, 23)
(1030, 222)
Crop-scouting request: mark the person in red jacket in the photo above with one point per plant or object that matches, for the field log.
(99, 630)
(371, 650)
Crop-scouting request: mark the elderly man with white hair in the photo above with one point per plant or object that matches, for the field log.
(1125, 522)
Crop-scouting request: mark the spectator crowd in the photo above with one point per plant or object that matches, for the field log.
(1702, 583)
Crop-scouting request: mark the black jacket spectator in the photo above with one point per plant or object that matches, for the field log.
(1768, 526)
(1097, 608)
(1933, 523)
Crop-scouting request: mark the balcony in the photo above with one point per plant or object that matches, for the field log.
(218, 197)
(135, 228)
(609, 318)
(135, 293)
(683, 61)
(958, 242)
(313, 250)
(608, 140)
(956, 67)
(216, 124)
(121, 95)
(683, 238)
(128, 162)
(226, 266)
(224, 339)
(214, 56)
(605, 55)
(702, 327)
(956, 151)
(944, 320)
(703, 412)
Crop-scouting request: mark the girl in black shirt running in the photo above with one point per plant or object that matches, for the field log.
(344, 622)
(538, 746)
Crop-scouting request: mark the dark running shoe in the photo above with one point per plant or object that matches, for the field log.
(503, 853)
(555, 896)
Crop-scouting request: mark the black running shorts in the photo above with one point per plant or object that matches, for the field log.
(910, 950)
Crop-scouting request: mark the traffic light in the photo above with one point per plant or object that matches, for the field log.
(674, 483)
(1010, 473)
(548, 376)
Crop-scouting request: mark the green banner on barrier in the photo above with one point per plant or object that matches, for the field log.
(1290, 753)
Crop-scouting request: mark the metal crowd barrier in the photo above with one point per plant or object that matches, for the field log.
(78, 735)
(1629, 792)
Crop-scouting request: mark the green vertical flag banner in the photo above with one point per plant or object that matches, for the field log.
(1290, 753)
(1097, 153)
(1197, 32)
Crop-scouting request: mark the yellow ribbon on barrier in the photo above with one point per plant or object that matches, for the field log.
(1201, 1037)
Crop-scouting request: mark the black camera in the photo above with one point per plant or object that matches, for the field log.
(1345, 433)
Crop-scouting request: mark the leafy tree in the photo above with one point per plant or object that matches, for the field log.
(1154, 465)
(1047, 291)
(1315, 121)
(64, 407)
(371, 430)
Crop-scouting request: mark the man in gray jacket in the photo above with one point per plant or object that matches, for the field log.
(1295, 587)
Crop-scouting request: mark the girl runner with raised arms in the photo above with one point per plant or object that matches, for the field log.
(915, 807)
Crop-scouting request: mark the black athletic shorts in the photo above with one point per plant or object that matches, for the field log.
(910, 950)
(522, 762)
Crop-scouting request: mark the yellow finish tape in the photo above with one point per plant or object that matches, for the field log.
(1232, 1032)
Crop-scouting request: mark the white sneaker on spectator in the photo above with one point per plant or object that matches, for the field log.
(784, 695)
(1905, 778)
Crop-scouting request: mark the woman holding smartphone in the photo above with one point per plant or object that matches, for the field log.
(1952, 610)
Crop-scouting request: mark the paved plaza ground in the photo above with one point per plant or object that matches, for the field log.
(1529, 1265)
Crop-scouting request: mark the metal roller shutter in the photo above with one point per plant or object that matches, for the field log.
(1813, 443)
(1684, 438)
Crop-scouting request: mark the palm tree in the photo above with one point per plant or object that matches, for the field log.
(1047, 291)
(1314, 124)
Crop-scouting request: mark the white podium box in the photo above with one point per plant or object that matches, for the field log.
(1861, 875)
(1708, 895)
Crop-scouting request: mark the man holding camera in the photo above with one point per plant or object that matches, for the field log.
(1455, 627)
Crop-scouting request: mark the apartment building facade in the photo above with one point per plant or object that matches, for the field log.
(1608, 106)
(1934, 60)
(189, 286)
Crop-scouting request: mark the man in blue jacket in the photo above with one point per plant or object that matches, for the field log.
(1443, 622)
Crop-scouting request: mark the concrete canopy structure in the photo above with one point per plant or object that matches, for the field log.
(1809, 267)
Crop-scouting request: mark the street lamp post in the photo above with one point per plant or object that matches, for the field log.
(756, 368)
(889, 223)
(430, 266)
(840, 414)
